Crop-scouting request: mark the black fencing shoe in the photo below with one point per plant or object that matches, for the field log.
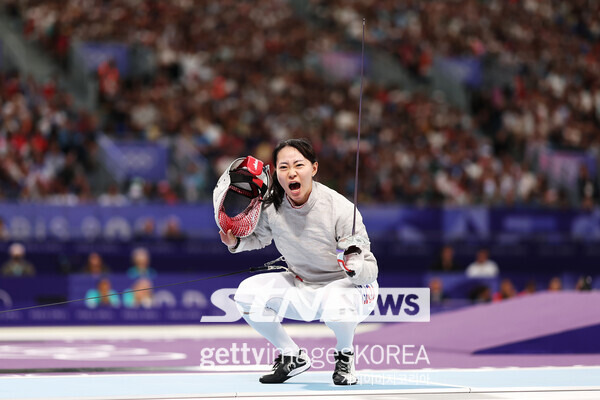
(285, 367)
(344, 368)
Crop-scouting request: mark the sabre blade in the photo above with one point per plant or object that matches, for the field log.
(362, 61)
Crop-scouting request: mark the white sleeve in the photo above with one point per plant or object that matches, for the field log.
(261, 237)
(368, 272)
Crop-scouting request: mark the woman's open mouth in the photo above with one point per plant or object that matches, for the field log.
(294, 187)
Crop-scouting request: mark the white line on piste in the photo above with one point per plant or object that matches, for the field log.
(232, 368)
(400, 377)
(153, 332)
(486, 369)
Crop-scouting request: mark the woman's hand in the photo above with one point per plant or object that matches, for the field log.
(227, 238)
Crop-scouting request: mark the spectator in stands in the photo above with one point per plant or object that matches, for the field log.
(4, 233)
(137, 191)
(480, 294)
(112, 197)
(507, 290)
(530, 287)
(95, 266)
(587, 187)
(140, 295)
(108, 80)
(102, 296)
(167, 193)
(141, 265)
(482, 267)
(445, 262)
(147, 231)
(555, 284)
(173, 230)
(584, 283)
(17, 265)
(436, 292)
(435, 152)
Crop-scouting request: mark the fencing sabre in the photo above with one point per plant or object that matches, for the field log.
(268, 266)
(353, 243)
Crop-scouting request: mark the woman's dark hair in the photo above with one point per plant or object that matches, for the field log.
(276, 192)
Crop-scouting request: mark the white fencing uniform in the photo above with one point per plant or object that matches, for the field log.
(289, 297)
(307, 237)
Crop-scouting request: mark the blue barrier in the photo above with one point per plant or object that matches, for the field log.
(407, 224)
(393, 255)
(188, 303)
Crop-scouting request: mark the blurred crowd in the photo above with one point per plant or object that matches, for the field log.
(553, 100)
(47, 149)
(485, 282)
(233, 78)
(554, 46)
(140, 276)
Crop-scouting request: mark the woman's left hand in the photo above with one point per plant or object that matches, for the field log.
(228, 238)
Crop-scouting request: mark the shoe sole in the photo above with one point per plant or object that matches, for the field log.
(345, 384)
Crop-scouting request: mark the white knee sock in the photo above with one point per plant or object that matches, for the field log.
(344, 333)
(274, 333)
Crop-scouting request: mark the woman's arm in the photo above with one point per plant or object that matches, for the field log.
(363, 264)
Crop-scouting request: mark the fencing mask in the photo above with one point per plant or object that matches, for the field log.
(238, 196)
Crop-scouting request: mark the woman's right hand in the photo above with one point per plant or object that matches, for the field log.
(227, 238)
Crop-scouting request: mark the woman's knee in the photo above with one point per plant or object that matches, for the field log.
(247, 290)
(262, 286)
(249, 295)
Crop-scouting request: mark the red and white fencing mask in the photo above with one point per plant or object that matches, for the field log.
(238, 196)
